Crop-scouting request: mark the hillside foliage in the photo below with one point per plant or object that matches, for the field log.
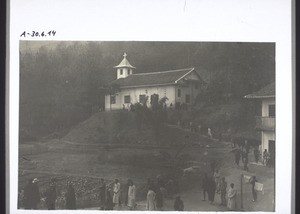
(61, 82)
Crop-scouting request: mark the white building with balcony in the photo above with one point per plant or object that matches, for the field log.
(179, 86)
(266, 123)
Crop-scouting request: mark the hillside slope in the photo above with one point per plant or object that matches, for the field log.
(121, 127)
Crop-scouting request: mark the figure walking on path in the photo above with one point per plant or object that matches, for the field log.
(117, 192)
(223, 188)
(254, 193)
(232, 194)
(131, 195)
(205, 184)
(178, 204)
(150, 199)
(70, 198)
(102, 191)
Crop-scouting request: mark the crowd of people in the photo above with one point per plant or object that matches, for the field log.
(241, 153)
(212, 184)
(109, 195)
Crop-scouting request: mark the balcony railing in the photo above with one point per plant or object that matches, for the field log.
(265, 123)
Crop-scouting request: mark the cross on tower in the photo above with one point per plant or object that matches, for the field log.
(125, 55)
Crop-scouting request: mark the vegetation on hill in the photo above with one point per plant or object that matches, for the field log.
(60, 82)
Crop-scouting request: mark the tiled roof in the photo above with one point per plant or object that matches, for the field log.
(152, 79)
(266, 92)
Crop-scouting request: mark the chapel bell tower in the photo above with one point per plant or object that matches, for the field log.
(124, 69)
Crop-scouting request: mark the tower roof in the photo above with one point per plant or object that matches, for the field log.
(124, 63)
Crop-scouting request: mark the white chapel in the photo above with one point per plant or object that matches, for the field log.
(178, 86)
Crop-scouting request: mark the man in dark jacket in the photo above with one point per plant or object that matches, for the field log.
(237, 155)
(178, 204)
(223, 187)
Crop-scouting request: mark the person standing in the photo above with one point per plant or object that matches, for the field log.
(256, 154)
(209, 133)
(211, 190)
(254, 193)
(126, 192)
(217, 178)
(232, 194)
(109, 205)
(150, 199)
(223, 188)
(131, 195)
(237, 156)
(159, 199)
(51, 195)
(205, 184)
(70, 198)
(265, 154)
(117, 192)
(178, 204)
(102, 191)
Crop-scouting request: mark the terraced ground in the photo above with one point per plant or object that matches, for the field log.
(84, 162)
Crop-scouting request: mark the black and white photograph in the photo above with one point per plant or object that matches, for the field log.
(147, 125)
(149, 106)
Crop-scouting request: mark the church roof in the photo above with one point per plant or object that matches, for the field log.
(124, 63)
(266, 92)
(153, 78)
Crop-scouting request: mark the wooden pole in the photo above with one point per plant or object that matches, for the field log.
(242, 191)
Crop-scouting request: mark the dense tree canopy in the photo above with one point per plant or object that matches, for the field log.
(61, 82)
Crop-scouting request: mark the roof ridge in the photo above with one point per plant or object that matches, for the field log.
(157, 72)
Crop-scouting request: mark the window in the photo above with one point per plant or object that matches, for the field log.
(112, 99)
(272, 110)
(196, 86)
(187, 98)
(178, 92)
(127, 99)
(121, 71)
(128, 71)
(142, 98)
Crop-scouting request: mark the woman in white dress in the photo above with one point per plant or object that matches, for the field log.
(117, 192)
(150, 199)
(232, 193)
(131, 195)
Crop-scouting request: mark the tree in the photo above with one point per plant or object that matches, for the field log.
(111, 90)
